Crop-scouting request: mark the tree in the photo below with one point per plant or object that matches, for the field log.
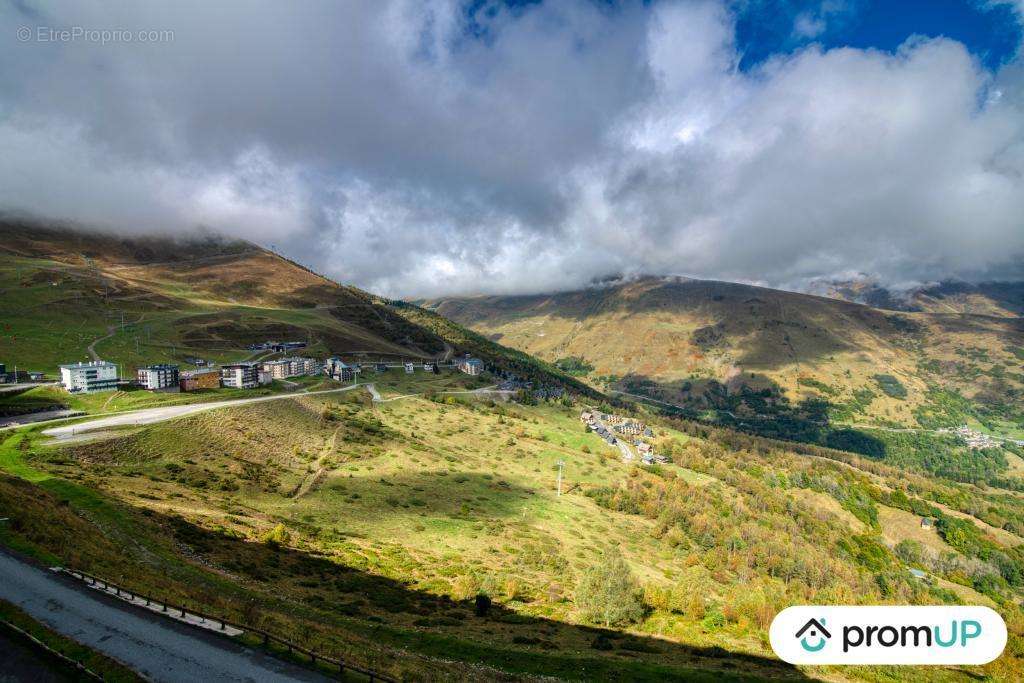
(608, 594)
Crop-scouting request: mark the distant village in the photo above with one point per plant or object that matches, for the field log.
(978, 440)
(100, 375)
(623, 433)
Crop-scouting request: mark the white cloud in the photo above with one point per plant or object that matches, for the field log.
(383, 144)
(807, 25)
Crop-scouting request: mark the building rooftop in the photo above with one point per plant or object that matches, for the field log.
(200, 371)
(88, 364)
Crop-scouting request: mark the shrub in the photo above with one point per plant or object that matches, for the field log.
(713, 620)
(277, 536)
(483, 604)
(609, 594)
(465, 587)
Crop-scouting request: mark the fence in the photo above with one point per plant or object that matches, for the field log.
(171, 609)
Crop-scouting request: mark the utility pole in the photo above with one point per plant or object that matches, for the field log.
(561, 464)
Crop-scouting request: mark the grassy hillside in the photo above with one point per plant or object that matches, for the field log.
(423, 535)
(998, 299)
(752, 357)
(69, 293)
(339, 520)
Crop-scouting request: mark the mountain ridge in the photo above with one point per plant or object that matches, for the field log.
(667, 334)
(149, 299)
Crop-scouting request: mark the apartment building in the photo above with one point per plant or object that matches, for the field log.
(162, 377)
(240, 375)
(97, 375)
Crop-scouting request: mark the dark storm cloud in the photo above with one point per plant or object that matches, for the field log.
(411, 148)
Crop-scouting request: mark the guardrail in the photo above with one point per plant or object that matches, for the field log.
(59, 656)
(171, 608)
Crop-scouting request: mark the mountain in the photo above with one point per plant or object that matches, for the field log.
(700, 344)
(429, 528)
(999, 299)
(71, 293)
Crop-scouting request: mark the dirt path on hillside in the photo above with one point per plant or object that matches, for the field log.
(316, 477)
(111, 331)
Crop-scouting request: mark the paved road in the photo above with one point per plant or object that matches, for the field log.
(158, 648)
(150, 415)
(627, 452)
(23, 386)
(20, 661)
(41, 416)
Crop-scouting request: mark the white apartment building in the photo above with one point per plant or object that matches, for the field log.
(240, 375)
(158, 377)
(97, 375)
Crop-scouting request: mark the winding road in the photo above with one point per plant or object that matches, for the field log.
(159, 649)
(147, 416)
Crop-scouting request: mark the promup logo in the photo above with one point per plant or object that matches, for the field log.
(888, 635)
(817, 630)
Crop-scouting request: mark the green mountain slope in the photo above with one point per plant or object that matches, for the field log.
(380, 530)
(688, 342)
(69, 294)
(368, 529)
(887, 384)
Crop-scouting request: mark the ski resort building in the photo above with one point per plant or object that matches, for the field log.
(97, 375)
(471, 366)
(195, 380)
(159, 377)
(240, 375)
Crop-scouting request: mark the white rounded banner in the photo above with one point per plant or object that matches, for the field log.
(887, 635)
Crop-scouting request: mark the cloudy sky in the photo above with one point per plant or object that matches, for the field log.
(430, 147)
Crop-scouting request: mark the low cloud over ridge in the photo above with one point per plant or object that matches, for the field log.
(414, 149)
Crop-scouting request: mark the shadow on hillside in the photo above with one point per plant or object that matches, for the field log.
(769, 328)
(437, 625)
(754, 404)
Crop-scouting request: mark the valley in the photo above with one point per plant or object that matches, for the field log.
(784, 364)
(431, 525)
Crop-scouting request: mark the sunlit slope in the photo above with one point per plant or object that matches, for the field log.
(673, 336)
(399, 513)
(448, 496)
(148, 300)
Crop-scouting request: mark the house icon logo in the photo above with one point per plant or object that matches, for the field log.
(817, 634)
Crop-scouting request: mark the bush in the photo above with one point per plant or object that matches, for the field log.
(574, 366)
(277, 536)
(608, 593)
(713, 620)
(483, 604)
